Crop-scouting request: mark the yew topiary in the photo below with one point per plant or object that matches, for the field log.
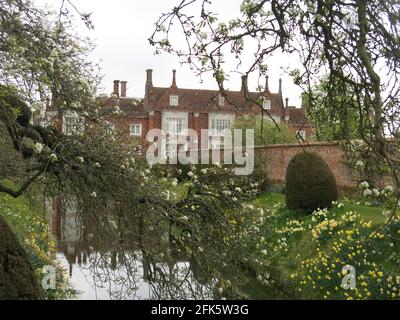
(310, 183)
(17, 278)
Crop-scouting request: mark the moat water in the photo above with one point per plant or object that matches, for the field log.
(100, 270)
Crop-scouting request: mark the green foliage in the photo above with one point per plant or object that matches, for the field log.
(265, 131)
(24, 217)
(260, 174)
(334, 111)
(310, 184)
(17, 278)
(310, 251)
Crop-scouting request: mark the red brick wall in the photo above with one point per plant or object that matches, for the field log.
(122, 125)
(278, 157)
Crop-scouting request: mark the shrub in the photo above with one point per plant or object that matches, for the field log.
(260, 174)
(310, 183)
(17, 278)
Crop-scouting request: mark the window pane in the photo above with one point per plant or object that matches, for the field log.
(175, 125)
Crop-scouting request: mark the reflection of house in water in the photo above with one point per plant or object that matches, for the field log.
(66, 226)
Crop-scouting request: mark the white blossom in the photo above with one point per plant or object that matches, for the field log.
(53, 158)
(93, 194)
(359, 164)
(389, 189)
(367, 192)
(38, 147)
(364, 185)
(376, 192)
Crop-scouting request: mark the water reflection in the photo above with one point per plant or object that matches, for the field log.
(103, 266)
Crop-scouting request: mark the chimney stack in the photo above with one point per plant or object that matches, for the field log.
(244, 88)
(280, 86)
(287, 103)
(266, 89)
(123, 88)
(116, 88)
(149, 77)
(174, 78)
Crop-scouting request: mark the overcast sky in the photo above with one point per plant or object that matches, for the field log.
(122, 29)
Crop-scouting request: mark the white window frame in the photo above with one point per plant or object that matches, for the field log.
(266, 104)
(134, 133)
(173, 100)
(213, 119)
(72, 123)
(182, 116)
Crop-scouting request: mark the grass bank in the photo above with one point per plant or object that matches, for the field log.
(25, 217)
(307, 253)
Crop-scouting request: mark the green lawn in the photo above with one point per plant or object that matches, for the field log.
(301, 246)
(373, 214)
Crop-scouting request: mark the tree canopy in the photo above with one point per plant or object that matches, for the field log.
(265, 132)
(353, 44)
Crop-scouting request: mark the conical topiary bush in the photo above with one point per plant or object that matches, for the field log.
(310, 183)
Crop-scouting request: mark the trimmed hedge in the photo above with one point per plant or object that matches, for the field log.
(17, 278)
(310, 183)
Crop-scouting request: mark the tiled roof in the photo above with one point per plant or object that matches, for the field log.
(195, 100)
(131, 107)
(297, 116)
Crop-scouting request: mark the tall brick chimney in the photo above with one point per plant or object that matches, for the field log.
(149, 78)
(287, 103)
(148, 87)
(174, 78)
(266, 89)
(123, 88)
(116, 88)
(244, 88)
(280, 86)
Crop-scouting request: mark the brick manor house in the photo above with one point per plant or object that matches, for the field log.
(174, 109)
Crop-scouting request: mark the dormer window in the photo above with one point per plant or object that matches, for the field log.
(173, 101)
(221, 101)
(266, 104)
